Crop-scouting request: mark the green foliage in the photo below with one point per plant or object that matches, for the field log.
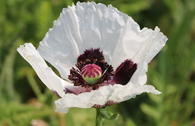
(23, 97)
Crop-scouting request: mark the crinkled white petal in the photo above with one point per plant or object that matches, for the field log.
(45, 73)
(91, 25)
(154, 42)
(139, 45)
(80, 27)
(116, 93)
(140, 76)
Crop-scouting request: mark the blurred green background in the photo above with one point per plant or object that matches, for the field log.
(25, 101)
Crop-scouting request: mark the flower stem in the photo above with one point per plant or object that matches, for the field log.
(99, 118)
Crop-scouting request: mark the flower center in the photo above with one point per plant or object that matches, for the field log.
(91, 69)
(91, 73)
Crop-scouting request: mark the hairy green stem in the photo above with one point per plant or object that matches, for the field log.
(99, 118)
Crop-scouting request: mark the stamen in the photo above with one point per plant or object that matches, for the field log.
(102, 71)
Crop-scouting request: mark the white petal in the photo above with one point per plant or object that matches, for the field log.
(116, 93)
(140, 46)
(80, 27)
(154, 42)
(90, 25)
(140, 76)
(45, 73)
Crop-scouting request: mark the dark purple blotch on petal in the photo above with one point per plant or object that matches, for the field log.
(108, 103)
(86, 88)
(77, 90)
(124, 72)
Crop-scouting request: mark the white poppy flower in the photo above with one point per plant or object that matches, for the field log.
(109, 49)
